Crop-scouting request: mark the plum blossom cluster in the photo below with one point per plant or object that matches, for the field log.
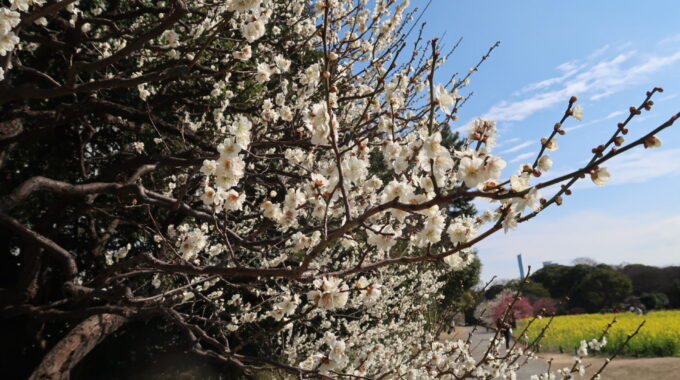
(287, 174)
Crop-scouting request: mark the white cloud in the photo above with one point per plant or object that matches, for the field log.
(637, 166)
(666, 98)
(674, 39)
(592, 80)
(518, 147)
(648, 239)
(523, 156)
(588, 123)
(569, 69)
(615, 114)
(643, 165)
(508, 141)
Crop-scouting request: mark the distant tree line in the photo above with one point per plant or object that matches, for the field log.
(592, 287)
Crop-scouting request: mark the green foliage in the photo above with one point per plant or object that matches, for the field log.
(585, 286)
(459, 282)
(674, 294)
(602, 288)
(493, 290)
(553, 278)
(535, 290)
(649, 279)
(654, 300)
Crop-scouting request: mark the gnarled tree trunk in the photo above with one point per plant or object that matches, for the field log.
(61, 359)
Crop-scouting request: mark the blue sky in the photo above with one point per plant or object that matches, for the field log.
(608, 53)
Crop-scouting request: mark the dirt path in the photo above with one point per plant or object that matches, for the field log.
(623, 368)
(618, 369)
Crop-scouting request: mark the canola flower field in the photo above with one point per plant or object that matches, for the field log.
(660, 336)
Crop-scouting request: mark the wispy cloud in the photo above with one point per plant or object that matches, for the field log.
(666, 98)
(523, 156)
(569, 69)
(674, 39)
(594, 79)
(508, 141)
(615, 114)
(644, 165)
(518, 147)
(588, 123)
(638, 166)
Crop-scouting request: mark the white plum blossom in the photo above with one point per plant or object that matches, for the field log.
(354, 169)
(244, 54)
(138, 146)
(600, 176)
(191, 243)
(458, 261)
(7, 42)
(461, 230)
(597, 345)
(577, 112)
(282, 63)
(304, 177)
(369, 292)
(263, 72)
(444, 98)
(170, 38)
(384, 239)
(510, 221)
(233, 201)
(519, 182)
(582, 349)
(243, 5)
(318, 123)
(9, 19)
(331, 293)
(432, 231)
(253, 31)
(545, 163)
(300, 241)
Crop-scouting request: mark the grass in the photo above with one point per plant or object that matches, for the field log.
(660, 336)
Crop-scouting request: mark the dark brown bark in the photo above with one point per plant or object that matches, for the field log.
(61, 359)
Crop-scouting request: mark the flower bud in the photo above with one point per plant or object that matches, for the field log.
(652, 142)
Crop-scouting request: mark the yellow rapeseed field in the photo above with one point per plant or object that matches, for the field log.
(660, 335)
